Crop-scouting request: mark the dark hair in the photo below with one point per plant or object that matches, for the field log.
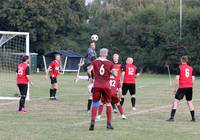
(184, 59)
(24, 58)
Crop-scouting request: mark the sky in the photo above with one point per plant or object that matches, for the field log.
(88, 1)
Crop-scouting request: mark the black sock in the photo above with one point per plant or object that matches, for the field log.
(173, 113)
(113, 105)
(122, 101)
(22, 102)
(192, 114)
(54, 92)
(51, 92)
(133, 100)
(89, 104)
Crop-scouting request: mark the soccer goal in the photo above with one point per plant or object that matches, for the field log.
(13, 46)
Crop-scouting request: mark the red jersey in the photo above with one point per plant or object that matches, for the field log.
(185, 72)
(22, 72)
(115, 85)
(102, 70)
(55, 67)
(118, 69)
(130, 74)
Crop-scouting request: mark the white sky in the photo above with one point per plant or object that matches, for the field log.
(88, 1)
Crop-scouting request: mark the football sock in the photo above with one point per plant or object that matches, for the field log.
(113, 105)
(100, 110)
(122, 101)
(120, 109)
(89, 104)
(22, 102)
(133, 100)
(192, 114)
(109, 114)
(93, 113)
(51, 92)
(173, 113)
(54, 92)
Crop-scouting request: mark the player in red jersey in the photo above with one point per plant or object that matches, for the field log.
(23, 79)
(184, 79)
(118, 68)
(102, 69)
(130, 74)
(54, 69)
(115, 86)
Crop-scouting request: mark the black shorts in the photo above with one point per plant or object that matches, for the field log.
(53, 80)
(23, 88)
(128, 87)
(181, 92)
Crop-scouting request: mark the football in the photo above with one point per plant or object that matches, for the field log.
(94, 37)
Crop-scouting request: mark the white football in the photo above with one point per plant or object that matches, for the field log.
(94, 37)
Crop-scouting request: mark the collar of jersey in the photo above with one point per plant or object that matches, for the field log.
(102, 59)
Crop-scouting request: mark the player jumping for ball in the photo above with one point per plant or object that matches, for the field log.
(184, 79)
(54, 69)
(102, 69)
(23, 79)
(130, 74)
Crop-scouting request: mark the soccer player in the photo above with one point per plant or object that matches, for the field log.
(54, 69)
(184, 79)
(102, 68)
(115, 86)
(118, 69)
(23, 79)
(130, 74)
(91, 56)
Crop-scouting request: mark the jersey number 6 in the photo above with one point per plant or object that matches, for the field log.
(102, 70)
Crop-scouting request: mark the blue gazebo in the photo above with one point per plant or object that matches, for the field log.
(70, 60)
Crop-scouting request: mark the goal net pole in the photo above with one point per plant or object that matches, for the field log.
(13, 44)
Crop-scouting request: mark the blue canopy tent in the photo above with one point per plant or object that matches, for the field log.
(70, 60)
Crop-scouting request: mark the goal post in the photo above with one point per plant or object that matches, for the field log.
(13, 46)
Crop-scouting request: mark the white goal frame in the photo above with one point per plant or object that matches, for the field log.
(27, 52)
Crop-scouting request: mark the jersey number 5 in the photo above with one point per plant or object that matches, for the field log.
(187, 73)
(102, 70)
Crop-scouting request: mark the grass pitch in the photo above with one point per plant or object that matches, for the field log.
(67, 119)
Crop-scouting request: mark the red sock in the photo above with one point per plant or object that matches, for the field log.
(94, 113)
(109, 113)
(121, 111)
(100, 110)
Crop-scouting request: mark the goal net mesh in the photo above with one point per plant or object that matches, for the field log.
(12, 49)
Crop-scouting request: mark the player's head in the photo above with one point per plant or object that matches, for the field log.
(184, 59)
(129, 60)
(115, 58)
(57, 57)
(25, 59)
(104, 52)
(92, 45)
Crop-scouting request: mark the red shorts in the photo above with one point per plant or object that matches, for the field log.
(114, 99)
(102, 94)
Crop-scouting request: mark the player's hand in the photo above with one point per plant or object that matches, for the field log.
(31, 83)
(46, 77)
(174, 92)
(90, 80)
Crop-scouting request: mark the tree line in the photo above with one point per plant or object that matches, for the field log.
(147, 30)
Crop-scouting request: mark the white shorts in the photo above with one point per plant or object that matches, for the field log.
(90, 86)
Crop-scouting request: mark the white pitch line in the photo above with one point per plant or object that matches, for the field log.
(131, 114)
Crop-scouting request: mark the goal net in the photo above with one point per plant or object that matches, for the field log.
(13, 46)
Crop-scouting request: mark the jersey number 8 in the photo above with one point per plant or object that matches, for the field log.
(187, 73)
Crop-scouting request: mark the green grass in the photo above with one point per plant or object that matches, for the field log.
(66, 119)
